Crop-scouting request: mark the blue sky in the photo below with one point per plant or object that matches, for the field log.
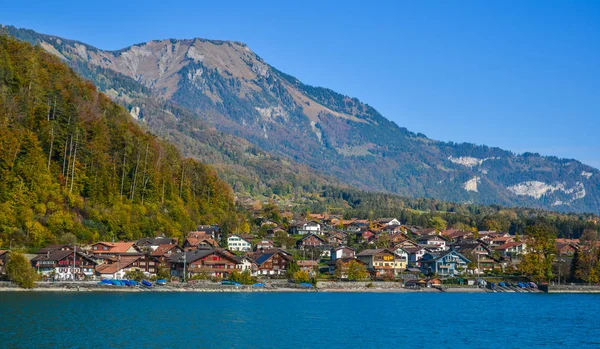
(520, 75)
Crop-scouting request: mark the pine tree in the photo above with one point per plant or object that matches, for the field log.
(575, 266)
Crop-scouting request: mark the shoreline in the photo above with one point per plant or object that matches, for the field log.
(278, 286)
(167, 289)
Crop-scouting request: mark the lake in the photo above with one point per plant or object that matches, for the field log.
(298, 320)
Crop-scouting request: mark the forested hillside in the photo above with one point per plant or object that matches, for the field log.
(74, 166)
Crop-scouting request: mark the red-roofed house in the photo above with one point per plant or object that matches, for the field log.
(512, 248)
(113, 248)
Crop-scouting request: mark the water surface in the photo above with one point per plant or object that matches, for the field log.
(298, 320)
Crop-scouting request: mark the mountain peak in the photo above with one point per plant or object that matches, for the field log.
(225, 84)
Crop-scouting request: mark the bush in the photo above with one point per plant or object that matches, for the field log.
(135, 275)
(301, 276)
(20, 271)
(244, 278)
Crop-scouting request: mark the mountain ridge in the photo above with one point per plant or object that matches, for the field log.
(236, 91)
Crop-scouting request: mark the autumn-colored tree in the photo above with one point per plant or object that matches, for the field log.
(537, 263)
(356, 271)
(20, 271)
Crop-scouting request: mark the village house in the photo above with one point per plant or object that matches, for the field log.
(212, 231)
(342, 252)
(415, 254)
(332, 265)
(389, 221)
(272, 233)
(211, 262)
(199, 240)
(308, 266)
(357, 226)
(273, 262)
(117, 267)
(393, 229)
(512, 248)
(163, 252)
(113, 248)
(336, 238)
(425, 232)
(265, 245)
(311, 240)
(64, 264)
(471, 247)
(153, 243)
(457, 235)
(402, 256)
(488, 263)
(236, 242)
(449, 263)
(432, 242)
(499, 241)
(566, 249)
(382, 263)
(303, 228)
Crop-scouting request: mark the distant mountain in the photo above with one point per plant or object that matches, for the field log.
(227, 86)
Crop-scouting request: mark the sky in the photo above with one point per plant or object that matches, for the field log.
(519, 75)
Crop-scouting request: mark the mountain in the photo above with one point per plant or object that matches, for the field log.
(74, 165)
(228, 87)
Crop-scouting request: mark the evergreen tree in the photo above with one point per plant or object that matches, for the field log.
(575, 266)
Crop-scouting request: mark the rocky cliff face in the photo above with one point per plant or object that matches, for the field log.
(233, 89)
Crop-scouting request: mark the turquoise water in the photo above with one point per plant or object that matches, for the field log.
(298, 320)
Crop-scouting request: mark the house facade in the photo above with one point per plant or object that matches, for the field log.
(310, 227)
(64, 265)
(444, 264)
(381, 262)
(342, 252)
(238, 243)
(272, 262)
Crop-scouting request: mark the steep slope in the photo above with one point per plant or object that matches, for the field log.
(234, 90)
(73, 165)
(252, 171)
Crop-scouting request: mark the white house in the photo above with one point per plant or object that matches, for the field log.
(238, 243)
(433, 242)
(310, 227)
(342, 252)
(388, 221)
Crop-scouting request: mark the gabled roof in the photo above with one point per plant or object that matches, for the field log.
(439, 256)
(263, 256)
(55, 247)
(309, 235)
(163, 249)
(193, 256)
(197, 241)
(431, 237)
(161, 240)
(114, 247)
(372, 252)
(508, 245)
(247, 238)
(123, 262)
(58, 255)
(425, 231)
